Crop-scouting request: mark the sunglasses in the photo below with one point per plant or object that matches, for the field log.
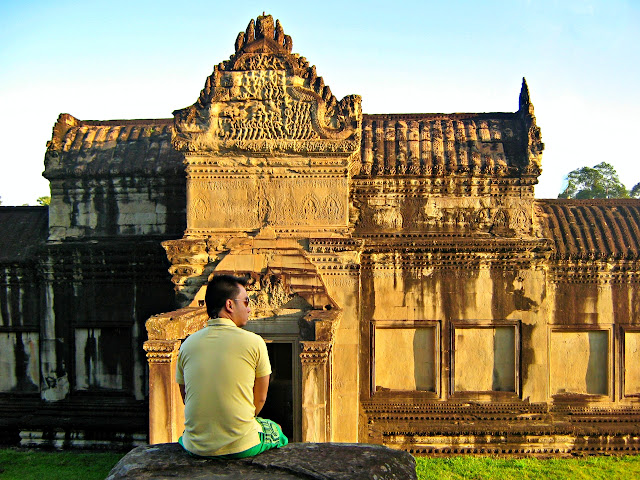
(243, 300)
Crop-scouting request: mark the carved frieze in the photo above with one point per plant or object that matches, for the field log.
(408, 211)
(252, 201)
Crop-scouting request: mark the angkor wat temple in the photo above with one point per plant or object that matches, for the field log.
(411, 289)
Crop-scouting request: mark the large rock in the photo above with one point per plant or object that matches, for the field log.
(322, 461)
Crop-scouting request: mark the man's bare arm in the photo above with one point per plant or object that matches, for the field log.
(260, 388)
(182, 391)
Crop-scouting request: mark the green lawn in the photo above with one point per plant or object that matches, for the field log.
(21, 464)
(476, 468)
(26, 464)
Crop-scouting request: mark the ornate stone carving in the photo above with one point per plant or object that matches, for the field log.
(315, 352)
(310, 207)
(192, 259)
(161, 351)
(200, 208)
(388, 217)
(268, 294)
(534, 137)
(333, 208)
(501, 219)
(266, 99)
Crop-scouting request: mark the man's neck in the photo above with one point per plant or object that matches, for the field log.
(227, 316)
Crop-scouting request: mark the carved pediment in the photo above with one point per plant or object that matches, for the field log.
(267, 99)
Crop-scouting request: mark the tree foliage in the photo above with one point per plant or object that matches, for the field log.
(635, 191)
(600, 181)
(44, 200)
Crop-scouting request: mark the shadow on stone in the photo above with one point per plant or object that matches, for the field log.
(321, 461)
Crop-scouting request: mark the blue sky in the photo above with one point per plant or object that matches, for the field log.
(114, 60)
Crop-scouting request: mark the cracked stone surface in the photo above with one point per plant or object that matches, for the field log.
(321, 461)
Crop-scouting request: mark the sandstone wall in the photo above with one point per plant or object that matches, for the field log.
(117, 206)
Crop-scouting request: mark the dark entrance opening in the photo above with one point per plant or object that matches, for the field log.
(279, 405)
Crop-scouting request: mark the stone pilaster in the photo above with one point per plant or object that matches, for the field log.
(166, 333)
(166, 410)
(316, 391)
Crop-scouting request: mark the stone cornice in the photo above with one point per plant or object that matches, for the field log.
(177, 325)
(594, 272)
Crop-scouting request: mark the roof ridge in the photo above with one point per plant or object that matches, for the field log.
(133, 121)
(436, 114)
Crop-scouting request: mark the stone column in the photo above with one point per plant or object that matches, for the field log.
(166, 410)
(316, 393)
(54, 380)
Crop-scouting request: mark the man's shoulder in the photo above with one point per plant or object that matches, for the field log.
(250, 336)
(194, 337)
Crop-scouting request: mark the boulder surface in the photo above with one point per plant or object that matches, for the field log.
(321, 461)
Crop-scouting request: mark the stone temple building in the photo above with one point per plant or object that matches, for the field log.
(411, 289)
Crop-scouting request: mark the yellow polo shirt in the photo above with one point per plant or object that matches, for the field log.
(218, 366)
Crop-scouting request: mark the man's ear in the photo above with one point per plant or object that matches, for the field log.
(228, 305)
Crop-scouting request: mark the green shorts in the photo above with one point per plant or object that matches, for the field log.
(271, 436)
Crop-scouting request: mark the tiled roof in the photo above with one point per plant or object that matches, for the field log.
(115, 147)
(592, 229)
(21, 229)
(434, 144)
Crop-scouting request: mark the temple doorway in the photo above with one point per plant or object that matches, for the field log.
(280, 400)
(284, 400)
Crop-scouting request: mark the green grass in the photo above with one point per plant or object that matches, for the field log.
(477, 468)
(23, 464)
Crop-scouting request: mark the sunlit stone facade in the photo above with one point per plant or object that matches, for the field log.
(411, 289)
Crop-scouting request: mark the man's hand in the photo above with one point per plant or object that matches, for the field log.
(260, 388)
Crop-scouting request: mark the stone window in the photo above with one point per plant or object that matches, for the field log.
(100, 361)
(485, 357)
(631, 352)
(19, 363)
(405, 356)
(579, 361)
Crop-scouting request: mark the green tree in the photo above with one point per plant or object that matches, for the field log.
(600, 181)
(44, 200)
(635, 191)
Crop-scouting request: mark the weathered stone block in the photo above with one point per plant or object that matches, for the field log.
(631, 360)
(405, 358)
(322, 461)
(485, 359)
(579, 362)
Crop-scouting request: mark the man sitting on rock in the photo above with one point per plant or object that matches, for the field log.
(223, 374)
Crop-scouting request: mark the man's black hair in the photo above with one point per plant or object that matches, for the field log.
(219, 290)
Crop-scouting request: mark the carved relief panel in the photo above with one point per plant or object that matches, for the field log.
(253, 201)
(404, 210)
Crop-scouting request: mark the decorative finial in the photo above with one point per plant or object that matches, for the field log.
(525, 101)
(266, 35)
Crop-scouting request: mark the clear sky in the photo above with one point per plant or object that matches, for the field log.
(143, 59)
